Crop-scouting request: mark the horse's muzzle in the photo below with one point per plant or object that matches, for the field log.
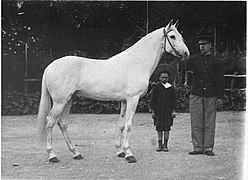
(185, 56)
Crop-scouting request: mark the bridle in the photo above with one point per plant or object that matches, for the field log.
(166, 37)
(176, 52)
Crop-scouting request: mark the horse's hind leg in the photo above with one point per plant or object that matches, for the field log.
(52, 118)
(119, 130)
(63, 125)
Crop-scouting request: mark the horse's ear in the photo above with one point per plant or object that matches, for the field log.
(176, 24)
(169, 24)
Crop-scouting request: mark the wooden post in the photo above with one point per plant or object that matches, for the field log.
(179, 75)
(147, 17)
(233, 80)
(215, 37)
(26, 69)
(26, 60)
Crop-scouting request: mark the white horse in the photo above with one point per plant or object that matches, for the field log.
(123, 77)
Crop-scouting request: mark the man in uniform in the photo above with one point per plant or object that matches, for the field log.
(206, 95)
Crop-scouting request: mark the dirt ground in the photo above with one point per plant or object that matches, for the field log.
(94, 135)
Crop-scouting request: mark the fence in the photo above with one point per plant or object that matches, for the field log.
(234, 84)
(228, 85)
(26, 81)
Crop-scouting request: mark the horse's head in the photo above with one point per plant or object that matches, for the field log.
(174, 43)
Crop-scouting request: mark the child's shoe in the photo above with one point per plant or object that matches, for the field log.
(165, 148)
(159, 146)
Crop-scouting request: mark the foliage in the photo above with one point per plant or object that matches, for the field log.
(182, 97)
(18, 103)
(234, 100)
(82, 105)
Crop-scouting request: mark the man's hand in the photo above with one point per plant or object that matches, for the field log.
(153, 115)
(219, 103)
(173, 114)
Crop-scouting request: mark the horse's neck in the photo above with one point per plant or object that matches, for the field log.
(147, 52)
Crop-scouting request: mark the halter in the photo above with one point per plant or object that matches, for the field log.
(166, 37)
(176, 52)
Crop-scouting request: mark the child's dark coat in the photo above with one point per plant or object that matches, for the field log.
(163, 102)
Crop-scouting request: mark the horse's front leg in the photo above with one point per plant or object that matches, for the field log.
(119, 130)
(131, 108)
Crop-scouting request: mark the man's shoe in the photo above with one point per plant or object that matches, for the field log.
(209, 153)
(194, 152)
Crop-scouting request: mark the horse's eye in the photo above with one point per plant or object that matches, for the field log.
(173, 37)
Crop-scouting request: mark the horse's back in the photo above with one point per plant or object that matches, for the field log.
(95, 79)
(70, 61)
(70, 65)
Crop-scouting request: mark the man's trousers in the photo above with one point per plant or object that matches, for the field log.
(203, 120)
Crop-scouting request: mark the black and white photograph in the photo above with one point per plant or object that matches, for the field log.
(123, 90)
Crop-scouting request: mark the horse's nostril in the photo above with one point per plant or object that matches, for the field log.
(187, 54)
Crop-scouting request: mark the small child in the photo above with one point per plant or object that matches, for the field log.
(163, 105)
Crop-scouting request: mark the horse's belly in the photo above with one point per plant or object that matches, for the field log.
(100, 95)
(107, 91)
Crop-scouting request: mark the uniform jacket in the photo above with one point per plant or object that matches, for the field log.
(208, 76)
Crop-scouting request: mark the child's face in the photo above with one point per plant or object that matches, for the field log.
(164, 77)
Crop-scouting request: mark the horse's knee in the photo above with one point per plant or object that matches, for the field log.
(128, 127)
(121, 127)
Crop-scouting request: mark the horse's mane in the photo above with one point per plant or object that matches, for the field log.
(143, 40)
(140, 44)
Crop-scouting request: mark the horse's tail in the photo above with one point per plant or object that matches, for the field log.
(44, 108)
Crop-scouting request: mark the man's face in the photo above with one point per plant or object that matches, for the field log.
(206, 48)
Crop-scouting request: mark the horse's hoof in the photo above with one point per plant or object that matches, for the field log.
(121, 155)
(54, 160)
(131, 159)
(77, 157)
